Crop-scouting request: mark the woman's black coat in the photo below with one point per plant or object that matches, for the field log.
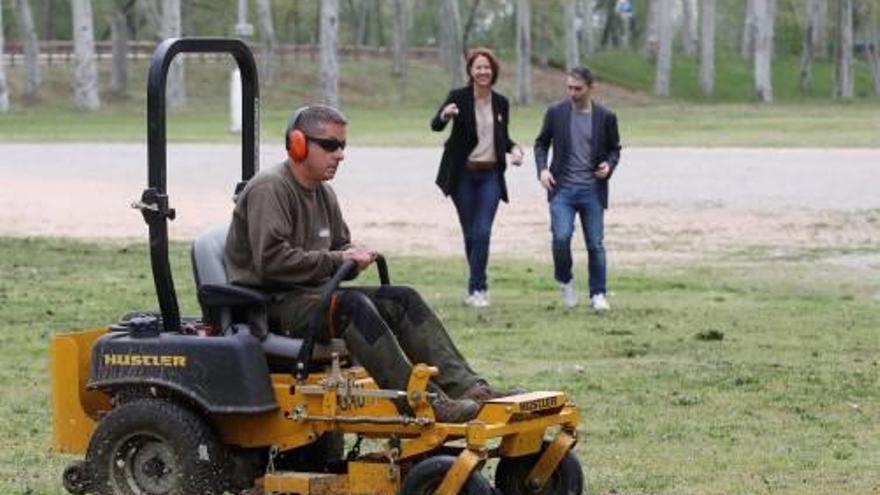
(463, 138)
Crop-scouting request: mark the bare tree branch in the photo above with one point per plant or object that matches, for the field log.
(469, 25)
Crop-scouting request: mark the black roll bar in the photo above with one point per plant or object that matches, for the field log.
(154, 203)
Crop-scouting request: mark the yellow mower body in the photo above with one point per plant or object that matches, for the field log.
(342, 400)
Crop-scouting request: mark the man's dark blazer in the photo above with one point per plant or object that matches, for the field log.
(556, 130)
(463, 138)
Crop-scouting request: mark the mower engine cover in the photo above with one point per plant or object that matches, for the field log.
(223, 374)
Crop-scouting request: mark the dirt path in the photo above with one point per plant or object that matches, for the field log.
(669, 204)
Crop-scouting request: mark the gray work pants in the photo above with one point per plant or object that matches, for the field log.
(386, 328)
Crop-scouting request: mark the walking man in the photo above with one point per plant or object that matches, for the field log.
(586, 151)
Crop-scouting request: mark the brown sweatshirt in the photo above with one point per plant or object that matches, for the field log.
(284, 236)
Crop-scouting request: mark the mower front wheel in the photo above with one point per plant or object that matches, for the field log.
(512, 473)
(151, 446)
(76, 478)
(426, 476)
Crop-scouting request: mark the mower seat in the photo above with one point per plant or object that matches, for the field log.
(233, 308)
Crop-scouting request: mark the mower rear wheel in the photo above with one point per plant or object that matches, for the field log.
(154, 447)
(510, 477)
(426, 476)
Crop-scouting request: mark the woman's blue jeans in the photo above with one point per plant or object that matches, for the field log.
(476, 201)
(583, 201)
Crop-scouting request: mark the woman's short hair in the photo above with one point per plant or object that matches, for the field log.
(484, 52)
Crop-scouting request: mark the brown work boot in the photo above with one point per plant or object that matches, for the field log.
(448, 410)
(481, 392)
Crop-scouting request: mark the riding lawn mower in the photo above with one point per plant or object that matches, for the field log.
(162, 404)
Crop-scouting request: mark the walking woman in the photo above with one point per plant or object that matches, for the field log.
(474, 161)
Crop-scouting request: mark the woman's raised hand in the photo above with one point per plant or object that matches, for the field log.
(448, 112)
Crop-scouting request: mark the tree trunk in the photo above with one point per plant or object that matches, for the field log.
(543, 36)
(291, 23)
(523, 54)
(28, 35)
(361, 24)
(329, 61)
(572, 57)
(267, 36)
(4, 89)
(175, 86)
(119, 36)
(820, 34)
(664, 52)
(147, 9)
(380, 27)
(187, 25)
(442, 43)
(707, 47)
(835, 54)
(808, 49)
(85, 75)
(48, 20)
(587, 37)
(316, 33)
(845, 45)
(763, 50)
(873, 53)
(450, 28)
(873, 58)
(611, 31)
(747, 42)
(652, 39)
(400, 39)
(772, 7)
(400, 46)
(688, 36)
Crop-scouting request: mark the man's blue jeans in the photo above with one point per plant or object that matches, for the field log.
(584, 201)
(476, 201)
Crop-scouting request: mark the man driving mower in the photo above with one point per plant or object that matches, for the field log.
(288, 237)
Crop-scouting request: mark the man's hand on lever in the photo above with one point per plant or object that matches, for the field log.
(360, 255)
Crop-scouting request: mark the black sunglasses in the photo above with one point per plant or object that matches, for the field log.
(328, 144)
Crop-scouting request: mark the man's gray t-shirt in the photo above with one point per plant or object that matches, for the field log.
(579, 171)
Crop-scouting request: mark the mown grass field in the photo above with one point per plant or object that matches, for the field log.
(379, 117)
(734, 379)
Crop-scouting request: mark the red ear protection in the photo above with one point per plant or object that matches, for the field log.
(295, 140)
(297, 145)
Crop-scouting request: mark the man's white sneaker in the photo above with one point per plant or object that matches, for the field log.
(477, 299)
(599, 303)
(569, 294)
